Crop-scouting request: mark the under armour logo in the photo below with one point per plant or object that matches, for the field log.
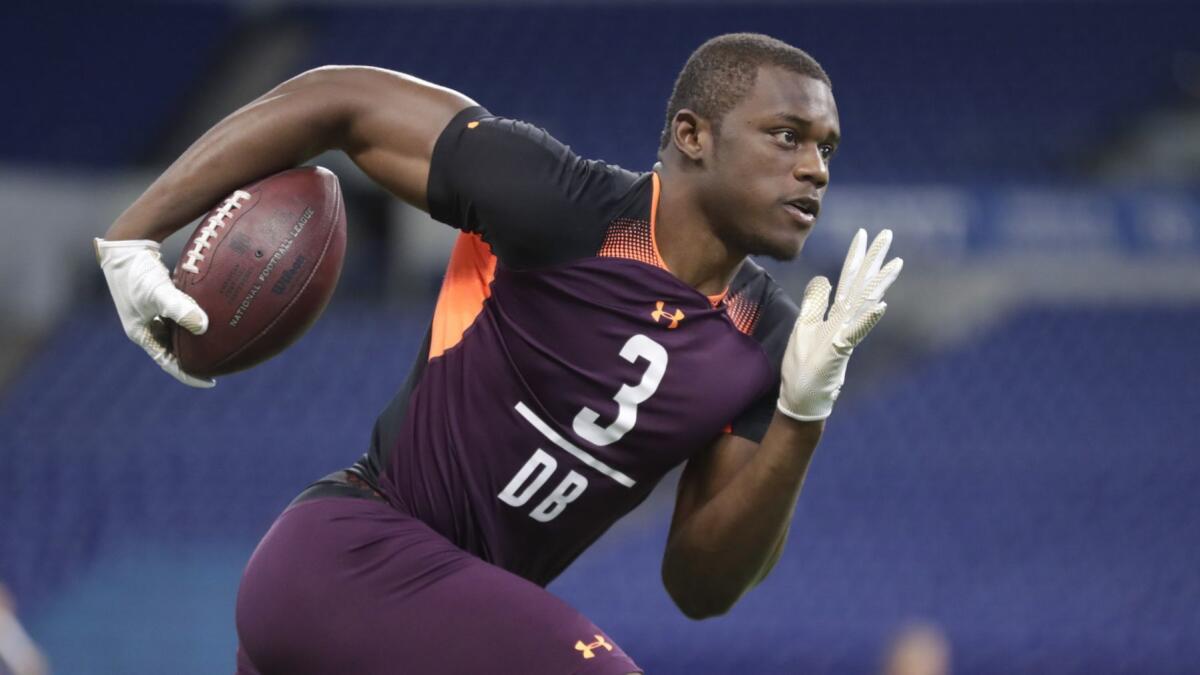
(587, 649)
(660, 313)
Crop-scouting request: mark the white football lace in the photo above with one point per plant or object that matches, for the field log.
(210, 230)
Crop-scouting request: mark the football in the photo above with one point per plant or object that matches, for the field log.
(263, 265)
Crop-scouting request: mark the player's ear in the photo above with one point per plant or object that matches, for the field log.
(691, 134)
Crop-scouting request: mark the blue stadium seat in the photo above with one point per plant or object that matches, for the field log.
(1033, 492)
(97, 84)
(926, 91)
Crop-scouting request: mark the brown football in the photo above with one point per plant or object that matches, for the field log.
(263, 264)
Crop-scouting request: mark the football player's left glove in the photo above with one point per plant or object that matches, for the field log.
(814, 363)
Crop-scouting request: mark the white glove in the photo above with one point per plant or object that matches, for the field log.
(142, 290)
(814, 363)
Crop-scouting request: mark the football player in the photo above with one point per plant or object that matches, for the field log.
(596, 328)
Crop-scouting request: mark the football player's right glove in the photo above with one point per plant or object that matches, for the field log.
(142, 290)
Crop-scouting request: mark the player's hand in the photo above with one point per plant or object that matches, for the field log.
(142, 290)
(814, 363)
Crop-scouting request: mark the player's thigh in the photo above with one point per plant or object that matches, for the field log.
(495, 621)
(350, 585)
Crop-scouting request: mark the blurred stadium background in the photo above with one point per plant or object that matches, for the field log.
(1016, 459)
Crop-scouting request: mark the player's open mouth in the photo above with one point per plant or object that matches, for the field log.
(804, 210)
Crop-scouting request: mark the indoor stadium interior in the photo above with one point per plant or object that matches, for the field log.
(1015, 462)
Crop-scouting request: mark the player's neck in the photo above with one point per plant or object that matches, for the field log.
(687, 243)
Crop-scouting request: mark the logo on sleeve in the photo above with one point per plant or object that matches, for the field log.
(589, 649)
(660, 313)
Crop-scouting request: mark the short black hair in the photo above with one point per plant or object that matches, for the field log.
(722, 71)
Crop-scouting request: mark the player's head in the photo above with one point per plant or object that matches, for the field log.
(752, 124)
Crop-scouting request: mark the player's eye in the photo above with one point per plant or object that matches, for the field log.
(787, 136)
(826, 150)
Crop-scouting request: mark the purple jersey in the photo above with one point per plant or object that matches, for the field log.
(566, 369)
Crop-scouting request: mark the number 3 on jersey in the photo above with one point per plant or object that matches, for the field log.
(628, 398)
(537, 470)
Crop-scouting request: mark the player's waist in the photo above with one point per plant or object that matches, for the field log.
(342, 483)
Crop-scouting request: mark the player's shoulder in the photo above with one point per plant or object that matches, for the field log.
(757, 304)
(752, 280)
(534, 200)
(579, 180)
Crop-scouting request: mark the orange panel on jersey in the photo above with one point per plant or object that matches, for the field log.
(743, 312)
(633, 238)
(467, 284)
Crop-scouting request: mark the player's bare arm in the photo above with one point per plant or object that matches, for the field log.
(735, 501)
(733, 508)
(385, 121)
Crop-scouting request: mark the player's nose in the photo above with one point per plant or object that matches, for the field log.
(811, 167)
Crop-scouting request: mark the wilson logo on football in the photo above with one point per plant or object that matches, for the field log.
(216, 220)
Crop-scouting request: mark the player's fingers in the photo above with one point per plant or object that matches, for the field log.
(171, 365)
(881, 282)
(854, 259)
(816, 301)
(180, 308)
(143, 335)
(850, 336)
(157, 350)
(876, 254)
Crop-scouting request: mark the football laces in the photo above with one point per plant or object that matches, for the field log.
(215, 221)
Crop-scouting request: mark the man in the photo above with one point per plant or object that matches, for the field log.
(596, 327)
